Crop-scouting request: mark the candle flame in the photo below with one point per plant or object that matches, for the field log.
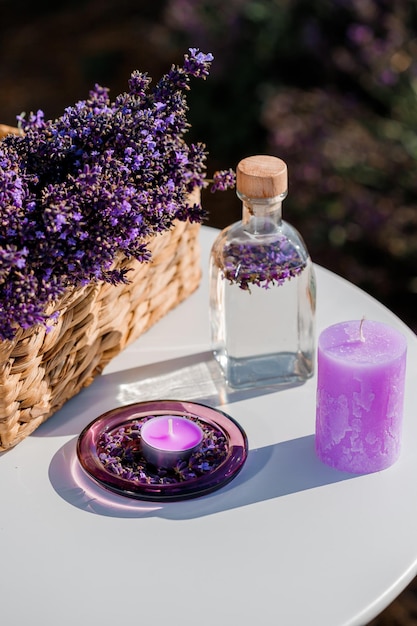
(361, 335)
(170, 427)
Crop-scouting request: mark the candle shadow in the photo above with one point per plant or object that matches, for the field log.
(269, 472)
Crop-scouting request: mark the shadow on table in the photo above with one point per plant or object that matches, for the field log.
(193, 377)
(269, 472)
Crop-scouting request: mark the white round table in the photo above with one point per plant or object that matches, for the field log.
(289, 541)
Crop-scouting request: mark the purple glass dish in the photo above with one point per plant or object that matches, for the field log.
(234, 451)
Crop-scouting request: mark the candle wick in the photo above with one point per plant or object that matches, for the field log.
(170, 427)
(361, 335)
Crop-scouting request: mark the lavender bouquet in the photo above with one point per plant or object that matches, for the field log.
(97, 182)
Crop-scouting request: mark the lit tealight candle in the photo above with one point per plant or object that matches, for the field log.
(360, 393)
(167, 439)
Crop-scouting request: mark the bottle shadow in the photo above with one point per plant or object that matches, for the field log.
(195, 378)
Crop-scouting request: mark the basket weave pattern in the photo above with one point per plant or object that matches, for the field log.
(40, 371)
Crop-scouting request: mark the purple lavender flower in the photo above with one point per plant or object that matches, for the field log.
(120, 454)
(96, 182)
(197, 63)
(222, 180)
(262, 265)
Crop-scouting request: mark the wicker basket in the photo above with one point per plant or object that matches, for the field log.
(40, 371)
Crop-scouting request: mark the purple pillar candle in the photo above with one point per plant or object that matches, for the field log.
(167, 439)
(360, 392)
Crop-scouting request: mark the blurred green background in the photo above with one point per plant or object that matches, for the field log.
(327, 85)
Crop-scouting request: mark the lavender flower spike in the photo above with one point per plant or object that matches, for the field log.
(197, 63)
(222, 180)
(96, 183)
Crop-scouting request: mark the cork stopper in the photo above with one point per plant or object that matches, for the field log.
(261, 176)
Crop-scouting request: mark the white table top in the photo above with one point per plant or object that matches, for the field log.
(289, 541)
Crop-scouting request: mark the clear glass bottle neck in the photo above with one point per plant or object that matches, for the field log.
(261, 214)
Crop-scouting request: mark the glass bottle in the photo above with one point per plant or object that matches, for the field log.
(262, 286)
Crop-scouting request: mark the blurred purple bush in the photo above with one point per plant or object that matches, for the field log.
(330, 87)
